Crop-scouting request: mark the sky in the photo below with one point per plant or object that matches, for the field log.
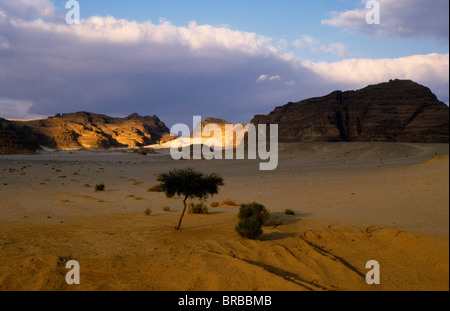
(224, 59)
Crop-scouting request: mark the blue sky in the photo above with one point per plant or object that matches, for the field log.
(238, 59)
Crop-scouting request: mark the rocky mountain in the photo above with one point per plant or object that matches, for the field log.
(81, 130)
(17, 139)
(396, 111)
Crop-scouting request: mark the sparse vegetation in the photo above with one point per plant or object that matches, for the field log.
(215, 204)
(100, 187)
(198, 208)
(252, 217)
(166, 209)
(249, 228)
(254, 210)
(189, 184)
(156, 188)
(289, 212)
(229, 202)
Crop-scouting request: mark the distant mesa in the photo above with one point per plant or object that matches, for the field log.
(396, 111)
(81, 130)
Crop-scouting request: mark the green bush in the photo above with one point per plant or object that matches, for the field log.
(148, 212)
(100, 187)
(249, 228)
(255, 210)
(252, 217)
(197, 208)
(289, 212)
(215, 204)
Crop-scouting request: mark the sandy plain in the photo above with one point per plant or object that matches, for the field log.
(354, 202)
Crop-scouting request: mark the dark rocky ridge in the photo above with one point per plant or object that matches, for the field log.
(80, 130)
(16, 138)
(396, 111)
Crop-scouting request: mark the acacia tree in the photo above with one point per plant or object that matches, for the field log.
(188, 184)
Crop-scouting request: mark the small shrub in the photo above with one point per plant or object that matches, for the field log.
(249, 228)
(154, 189)
(289, 212)
(215, 204)
(229, 202)
(100, 187)
(197, 208)
(166, 209)
(148, 212)
(255, 210)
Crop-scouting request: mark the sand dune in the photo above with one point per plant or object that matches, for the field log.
(353, 203)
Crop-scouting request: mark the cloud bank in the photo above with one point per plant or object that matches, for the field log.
(398, 18)
(118, 67)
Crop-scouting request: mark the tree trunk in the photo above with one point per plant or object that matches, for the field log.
(182, 213)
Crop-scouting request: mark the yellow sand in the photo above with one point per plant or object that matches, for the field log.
(353, 203)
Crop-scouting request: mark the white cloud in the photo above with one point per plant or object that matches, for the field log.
(119, 31)
(398, 18)
(28, 9)
(267, 77)
(17, 109)
(274, 78)
(316, 47)
(430, 70)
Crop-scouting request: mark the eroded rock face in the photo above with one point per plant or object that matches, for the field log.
(396, 111)
(224, 139)
(85, 130)
(16, 139)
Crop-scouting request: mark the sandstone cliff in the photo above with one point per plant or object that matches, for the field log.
(81, 130)
(16, 138)
(396, 111)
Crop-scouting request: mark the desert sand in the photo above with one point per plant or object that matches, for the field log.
(354, 202)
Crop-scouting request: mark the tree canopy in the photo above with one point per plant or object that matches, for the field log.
(188, 184)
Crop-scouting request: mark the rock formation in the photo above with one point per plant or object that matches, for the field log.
(16, 138)
(396, 111)
(226, 141)
(81, 130)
